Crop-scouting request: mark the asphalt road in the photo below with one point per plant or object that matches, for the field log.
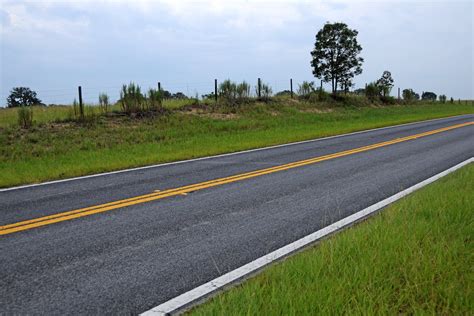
(128, 260)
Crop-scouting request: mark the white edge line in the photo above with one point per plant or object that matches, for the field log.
(186, 299)
(224, 155)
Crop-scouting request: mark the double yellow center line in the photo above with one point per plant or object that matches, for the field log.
(157, 195)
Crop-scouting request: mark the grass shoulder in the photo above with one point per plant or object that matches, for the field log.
(415, 257)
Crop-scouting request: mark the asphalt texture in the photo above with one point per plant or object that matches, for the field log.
(128, 260)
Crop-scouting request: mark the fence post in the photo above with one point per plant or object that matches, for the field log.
(399, 94)
(259, 89)
(215, 89)
(159, 86)
(291, 87)
(81, 108)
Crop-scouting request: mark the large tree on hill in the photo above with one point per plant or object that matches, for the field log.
(22, 96)
(335, 55)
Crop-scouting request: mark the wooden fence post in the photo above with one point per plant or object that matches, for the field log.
(81, 107)
(291, 87)
(215, 89)
(259, 89)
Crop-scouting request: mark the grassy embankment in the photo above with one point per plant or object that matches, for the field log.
(415, 257)
(57, 147)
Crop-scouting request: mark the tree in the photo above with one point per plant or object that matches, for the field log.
(335, 55)
(22, 96)
(410, 95)
(442, 98)
(430, 96)
(385, 83)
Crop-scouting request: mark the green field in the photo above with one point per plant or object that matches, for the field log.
(57, 147)
(416, 257)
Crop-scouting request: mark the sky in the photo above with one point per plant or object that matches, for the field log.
(55, 46)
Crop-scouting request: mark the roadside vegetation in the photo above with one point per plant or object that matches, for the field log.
(415, 257)
(60, 147)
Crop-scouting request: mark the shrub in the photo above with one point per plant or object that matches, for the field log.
(155, 100)
(104, 102)
(227, 91)
(234, 94)
(442, 98)
(242, 91)
(410, 95)
(131, 98)
(25, 116)
(430, 96)
(372, 91)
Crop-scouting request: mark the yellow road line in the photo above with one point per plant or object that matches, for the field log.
(156, 195)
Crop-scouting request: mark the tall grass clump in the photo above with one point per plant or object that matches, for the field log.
(155, 100)
(305, 89)
(266, 92)
(25, 116)
(242, 91)
(372, 92)
(233, 94)
(228, 91)
(131, 98)
(75, 109)
(104, 102)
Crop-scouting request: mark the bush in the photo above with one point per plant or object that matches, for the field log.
(131, 98)
(430, 96)
(410, 95)
(242, 91)
(155, 100)
(372, 91)
(227, 91)
(234, 94)
(442, 98)
(25, 116)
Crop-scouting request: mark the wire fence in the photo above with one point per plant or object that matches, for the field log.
(90, 93)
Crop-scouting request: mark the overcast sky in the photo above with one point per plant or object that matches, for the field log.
(54, 46)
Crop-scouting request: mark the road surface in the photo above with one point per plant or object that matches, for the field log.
(125, 242)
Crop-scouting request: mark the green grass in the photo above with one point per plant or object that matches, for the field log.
(415, 257)
(65, 149)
